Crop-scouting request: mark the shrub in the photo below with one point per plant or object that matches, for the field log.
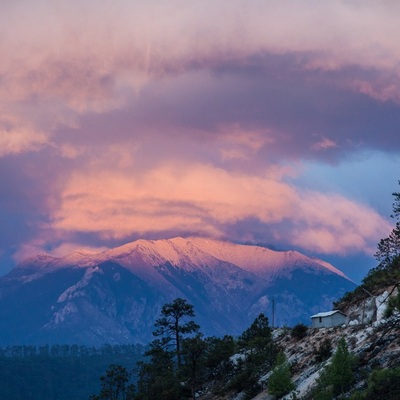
(393, 305)
(299, 331)
(245, 380)
(324, 351)
(337, 377)
(280, 380)
(384, 384)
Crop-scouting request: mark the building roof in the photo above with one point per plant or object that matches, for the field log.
(327, 314)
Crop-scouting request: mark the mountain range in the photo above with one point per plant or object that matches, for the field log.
(116, 295)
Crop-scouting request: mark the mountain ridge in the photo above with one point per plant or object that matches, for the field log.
(245, 256)
(117, 294)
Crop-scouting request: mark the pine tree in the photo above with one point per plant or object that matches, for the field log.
(193, 351)
(162, 375)
(338, 376)
(115, 385)
(257, 341)
(341, 372)
(280, 380)
(170, 327)
(157, 376)
(257, 335)
(389, 248)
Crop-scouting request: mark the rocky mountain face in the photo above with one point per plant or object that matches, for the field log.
(116, 295)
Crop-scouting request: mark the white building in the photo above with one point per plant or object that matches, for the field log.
(328, 319)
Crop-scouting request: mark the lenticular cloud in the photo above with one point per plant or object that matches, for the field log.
(208, 200)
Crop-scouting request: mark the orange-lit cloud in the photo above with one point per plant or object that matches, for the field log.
(207, 200)
(336, 224)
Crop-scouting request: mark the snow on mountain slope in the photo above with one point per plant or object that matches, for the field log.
(260, 260)
(191, 254)
(177, 251)
(117, 294)
(195, 252)
(145, 258)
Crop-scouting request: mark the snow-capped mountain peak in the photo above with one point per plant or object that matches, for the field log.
(117, 294)
(197, 251)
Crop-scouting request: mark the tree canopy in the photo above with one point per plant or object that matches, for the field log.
(389, 248)
(338, 376)
(280, 381)
(172, 328)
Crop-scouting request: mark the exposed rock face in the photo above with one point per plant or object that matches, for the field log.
(371, 309)
(116, 296)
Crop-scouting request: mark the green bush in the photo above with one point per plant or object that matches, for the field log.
(382, 384)
(299, 331)
(324, 351)
(244, 379)
(338, 376)
(280, 380)
(219, 351)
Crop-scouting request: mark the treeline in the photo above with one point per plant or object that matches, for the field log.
(70, 351)
(62, 372)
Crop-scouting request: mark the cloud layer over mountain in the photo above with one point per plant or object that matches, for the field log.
(130, 119)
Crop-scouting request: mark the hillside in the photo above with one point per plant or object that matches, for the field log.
(376, 346)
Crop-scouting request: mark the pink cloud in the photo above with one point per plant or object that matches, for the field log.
(335, 224)
(235, 142)
(89, 56)
(204, 199)
(20, 140)
(323, 144)
(19, 135)
(60, 62)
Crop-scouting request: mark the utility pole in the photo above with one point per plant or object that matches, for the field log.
(273, 312)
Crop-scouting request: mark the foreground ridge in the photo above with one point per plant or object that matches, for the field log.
(373, 347)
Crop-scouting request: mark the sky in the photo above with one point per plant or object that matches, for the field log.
(266, 121)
